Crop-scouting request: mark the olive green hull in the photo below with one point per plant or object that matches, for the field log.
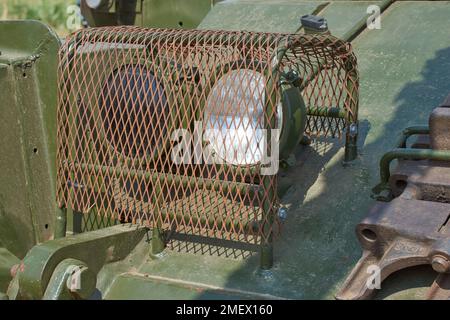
(405, 72)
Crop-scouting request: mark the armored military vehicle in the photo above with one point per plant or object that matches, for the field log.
(227, 150)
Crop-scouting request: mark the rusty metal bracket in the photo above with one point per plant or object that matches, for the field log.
(410, 223)
(397, 235)
(413, 229)
(440, 289)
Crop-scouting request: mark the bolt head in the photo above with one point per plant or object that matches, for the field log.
(282, 214)
(440, 264)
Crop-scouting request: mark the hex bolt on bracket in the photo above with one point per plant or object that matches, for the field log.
(440, 264)
(397, 235)
(410, 223)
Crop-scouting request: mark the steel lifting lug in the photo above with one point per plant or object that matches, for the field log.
(410, 223)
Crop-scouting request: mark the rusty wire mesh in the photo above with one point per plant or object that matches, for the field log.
(125, 93)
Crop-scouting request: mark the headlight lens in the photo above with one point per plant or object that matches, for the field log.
(95, 4)
(234, 117)
(135, 111)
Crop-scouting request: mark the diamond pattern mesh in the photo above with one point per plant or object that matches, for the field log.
(173, 128)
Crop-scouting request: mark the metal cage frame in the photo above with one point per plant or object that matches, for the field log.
(327, 79)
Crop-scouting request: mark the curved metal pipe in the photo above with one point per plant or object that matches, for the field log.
(405, 154)
(410, 131)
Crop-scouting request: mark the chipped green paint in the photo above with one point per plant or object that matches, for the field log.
(405, 72)
(28, 127)
(7, 261)
(318, 246)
